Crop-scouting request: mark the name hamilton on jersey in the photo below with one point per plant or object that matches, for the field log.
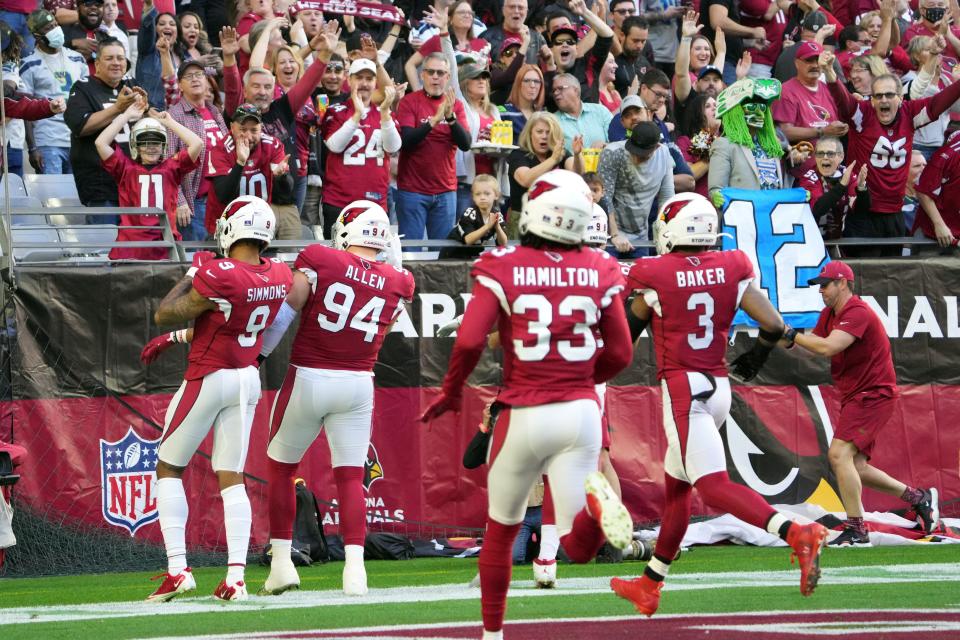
(555, 277)
(701, 277)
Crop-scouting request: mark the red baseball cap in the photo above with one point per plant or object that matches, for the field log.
(833, 271)
(808, 49)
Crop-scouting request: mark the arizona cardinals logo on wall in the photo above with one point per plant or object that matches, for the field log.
(372, 471)
(128, 478)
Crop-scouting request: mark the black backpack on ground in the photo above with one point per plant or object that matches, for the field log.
(309, 543)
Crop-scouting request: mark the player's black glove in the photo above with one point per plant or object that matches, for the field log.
(790, 336)
(748, 365)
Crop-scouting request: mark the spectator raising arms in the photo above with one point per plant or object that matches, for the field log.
(361, 137)
(154, 26)
(94, 103)
(147, 180)
(50, 72)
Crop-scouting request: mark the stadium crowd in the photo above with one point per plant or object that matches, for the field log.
(311, 108)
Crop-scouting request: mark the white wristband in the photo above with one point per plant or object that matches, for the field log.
(192, 271)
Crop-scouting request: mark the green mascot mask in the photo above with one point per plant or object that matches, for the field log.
(745, 106)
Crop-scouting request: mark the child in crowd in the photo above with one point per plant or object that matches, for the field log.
(479, 223)
(147, 180)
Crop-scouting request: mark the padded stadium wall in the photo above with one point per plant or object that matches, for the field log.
(75, 394)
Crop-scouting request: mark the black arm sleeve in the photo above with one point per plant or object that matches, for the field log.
(410, 137)
(228, 187)
(828, 201)
(862, 204)
(636, 324)
(461, 137)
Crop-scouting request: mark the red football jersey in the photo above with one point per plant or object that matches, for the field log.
(362, 171)
(257, 179)
(353, 302)
(694, 297)
(941, 181)
(865, 365)
(885, 149)
(550, 305)
(248, 298)
(140, 186)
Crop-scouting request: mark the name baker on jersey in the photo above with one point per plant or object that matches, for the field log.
(701, 277)
(272, 292)
(555, 277)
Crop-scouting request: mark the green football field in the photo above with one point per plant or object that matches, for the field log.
(705, 580)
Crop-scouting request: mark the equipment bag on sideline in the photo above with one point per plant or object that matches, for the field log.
(309, 544)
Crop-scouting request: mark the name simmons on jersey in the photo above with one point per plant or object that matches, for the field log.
(271, 292)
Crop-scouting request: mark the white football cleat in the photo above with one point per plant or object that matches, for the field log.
(354, 579)
(608, 511)
(545, 573)
(283, 577)
(231, 592)
(172, 586)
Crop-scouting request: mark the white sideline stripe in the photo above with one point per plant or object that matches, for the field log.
(807, 629)
(631, 618)
(931, 572)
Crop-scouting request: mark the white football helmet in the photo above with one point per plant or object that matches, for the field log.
(147, 130)
(686, 220)
(247, 217)
(557, 207)
(362, 223)
(595, 234)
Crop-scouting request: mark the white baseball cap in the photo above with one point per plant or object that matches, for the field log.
(362, 64)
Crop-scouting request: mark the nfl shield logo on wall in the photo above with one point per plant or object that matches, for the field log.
(129, 479)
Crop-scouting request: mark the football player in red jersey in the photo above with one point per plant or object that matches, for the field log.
(548, 297)
(146, 179)
(348, 302)
(360, 137)
(692, 294)
(232, 301)
(244, 165)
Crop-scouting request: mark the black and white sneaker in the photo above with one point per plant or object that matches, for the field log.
(928, 510)
(850, 537)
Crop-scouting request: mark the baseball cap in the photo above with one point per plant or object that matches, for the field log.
(246, 111)
(38, 20)
(510, 41)
(185, 65)
(833, 271)
(90, 2)
(567, 29)
(470, 71)
(363, 64)
(815, 21)
(631, 102)
(807, 50)
(709, 69)
(642, 138)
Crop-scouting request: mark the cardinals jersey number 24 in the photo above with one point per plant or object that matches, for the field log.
(694, 297)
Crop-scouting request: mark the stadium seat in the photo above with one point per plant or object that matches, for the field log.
(17, 186)
(45, 186)
(28, 234)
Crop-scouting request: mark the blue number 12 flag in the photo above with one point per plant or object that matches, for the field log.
(776, 229)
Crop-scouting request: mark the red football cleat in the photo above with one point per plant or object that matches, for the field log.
(807, 541)
(643, 592)
(231, 592)
(172, 586)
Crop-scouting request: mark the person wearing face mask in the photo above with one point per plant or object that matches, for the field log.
(932, 15)
(50, 72)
